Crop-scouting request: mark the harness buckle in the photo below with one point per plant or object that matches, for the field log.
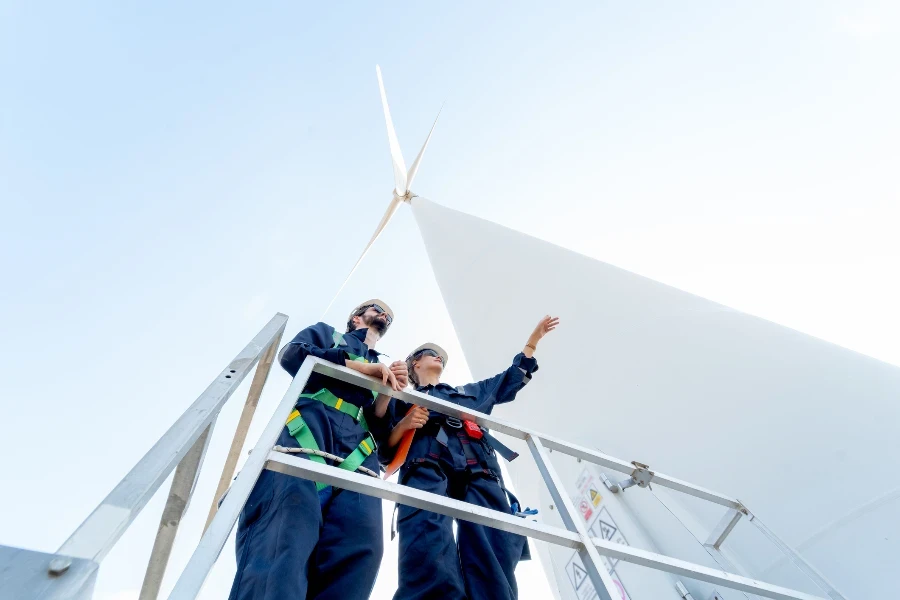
(453, 422)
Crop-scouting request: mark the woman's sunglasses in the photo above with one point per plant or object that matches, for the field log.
(429, 352)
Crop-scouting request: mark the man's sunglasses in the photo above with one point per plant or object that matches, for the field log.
(429, 352)
(380, 311)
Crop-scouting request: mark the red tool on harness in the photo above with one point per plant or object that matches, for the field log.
(472, 429)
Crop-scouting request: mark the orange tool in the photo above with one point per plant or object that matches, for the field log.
(402, 450)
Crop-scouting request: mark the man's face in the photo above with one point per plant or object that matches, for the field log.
(374, 320)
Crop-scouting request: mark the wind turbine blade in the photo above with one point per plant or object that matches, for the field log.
(400, 184)
(391, 209)
(415, 166)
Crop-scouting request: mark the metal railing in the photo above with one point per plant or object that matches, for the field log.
(575, 534)
(71, 571)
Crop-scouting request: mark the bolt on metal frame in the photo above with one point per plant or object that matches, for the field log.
(70, 572)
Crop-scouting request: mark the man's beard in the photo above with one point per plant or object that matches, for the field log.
(375, 322)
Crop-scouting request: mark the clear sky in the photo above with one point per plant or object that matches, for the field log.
(172, 175)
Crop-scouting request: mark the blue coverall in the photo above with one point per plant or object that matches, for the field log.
(481, 563)
(292, 542)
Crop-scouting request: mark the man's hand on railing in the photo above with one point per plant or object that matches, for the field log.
(380, 370)
(398, 367)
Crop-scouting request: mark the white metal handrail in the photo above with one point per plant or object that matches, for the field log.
(574, 536)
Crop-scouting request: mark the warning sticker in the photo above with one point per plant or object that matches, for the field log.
(594, 494)
(581, 583)
(577, 575)
(605, 528)
(584, 507)
(588, 500)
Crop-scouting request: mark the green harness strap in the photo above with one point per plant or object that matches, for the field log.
(328, 399)
(358, 456)
(299, 430)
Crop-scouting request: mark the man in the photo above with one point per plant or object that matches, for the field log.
(298, 539)
(456, 459)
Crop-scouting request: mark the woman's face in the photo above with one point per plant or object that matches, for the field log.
(429, 364)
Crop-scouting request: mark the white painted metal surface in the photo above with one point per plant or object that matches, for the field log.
(644, 370)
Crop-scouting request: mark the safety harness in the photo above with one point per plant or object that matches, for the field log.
(299, 430)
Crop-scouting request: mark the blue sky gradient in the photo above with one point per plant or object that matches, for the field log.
(171, 175)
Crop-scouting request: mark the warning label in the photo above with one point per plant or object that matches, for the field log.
(577, 575)
(586, 511)
(584, 589)
(600, 524)
(605, 528)
(594, 495)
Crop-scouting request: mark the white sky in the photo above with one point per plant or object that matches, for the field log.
(171, 176)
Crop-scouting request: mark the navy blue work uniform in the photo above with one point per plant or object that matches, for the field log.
(444, 460)
(292, 541)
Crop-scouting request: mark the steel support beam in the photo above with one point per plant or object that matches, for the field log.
(176, 505)
(728, 522)
(240, 434)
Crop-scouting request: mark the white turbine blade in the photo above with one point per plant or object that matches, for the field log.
(415, 166)
(391, 209)
(396, 156)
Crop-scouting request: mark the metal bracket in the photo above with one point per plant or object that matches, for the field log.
(642, 474)
(641, 477)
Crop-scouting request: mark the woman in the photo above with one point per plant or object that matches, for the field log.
(457, 459)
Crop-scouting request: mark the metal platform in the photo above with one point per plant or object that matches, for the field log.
(70, 572)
